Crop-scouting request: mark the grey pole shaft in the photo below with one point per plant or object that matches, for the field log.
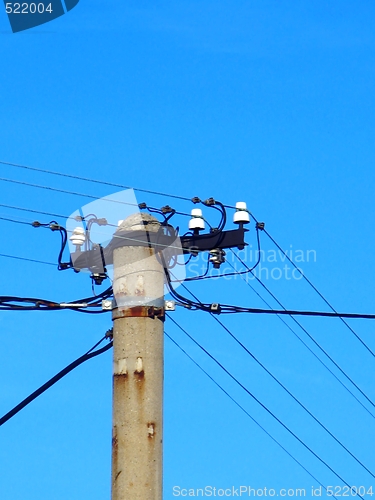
(138, 371)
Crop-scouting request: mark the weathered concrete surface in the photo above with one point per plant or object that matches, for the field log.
(138, 373)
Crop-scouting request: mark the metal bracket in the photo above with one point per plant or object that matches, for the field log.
(97, 258)
(107, 305)
(170, 305)
(138, 312)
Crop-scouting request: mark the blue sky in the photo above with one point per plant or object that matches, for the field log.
(266, 102)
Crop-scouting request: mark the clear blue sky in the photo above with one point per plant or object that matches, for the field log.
(266, 102)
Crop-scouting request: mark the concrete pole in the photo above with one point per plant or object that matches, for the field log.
(138, 369)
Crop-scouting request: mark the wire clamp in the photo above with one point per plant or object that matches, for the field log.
(109, 334)
(215, 308)
(209, 202)
(170, 305)
(107, 305)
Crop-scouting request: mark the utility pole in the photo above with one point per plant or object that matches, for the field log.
(138, 316)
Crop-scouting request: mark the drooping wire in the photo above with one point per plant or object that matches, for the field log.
(259, 402)
(202, 276)
(91, 353)
(244, 410)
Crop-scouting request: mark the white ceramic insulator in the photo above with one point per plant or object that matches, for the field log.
(241, 205)
(241, 216)
(196, 221)
(196, 212)
(78, 236)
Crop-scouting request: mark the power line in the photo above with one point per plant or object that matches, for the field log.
(219, 308)
(245, 411)
(322, 296)
(88, 355)
(288, 392)
(116, 237)
(28, 260)
(238, 309)
(8, 302)
(64, 191)
(260, 403)
(226, 308)
(313, 340)
(8, 219)
(86, 179)
(14, 207)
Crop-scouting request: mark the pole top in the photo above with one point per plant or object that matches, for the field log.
(138, 222)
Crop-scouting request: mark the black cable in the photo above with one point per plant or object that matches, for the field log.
(223, 216)
(88, 355)
(108, 336)
(322, 296)
(309, 348)
(116, 236)
(227, 308)
(94, 180)
(238, 309)
(13, 207)
(8, 219)
(292, 396)
(29, 260)
(245, 411)
(287, 391)
(247, 270)
(8, 302)
(54, 226)
(64, 191)
(202, 276)
(103, 295)
(232, 309)
(260, 403)
(316, 343)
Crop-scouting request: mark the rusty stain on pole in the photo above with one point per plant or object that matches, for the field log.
(138, 286)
